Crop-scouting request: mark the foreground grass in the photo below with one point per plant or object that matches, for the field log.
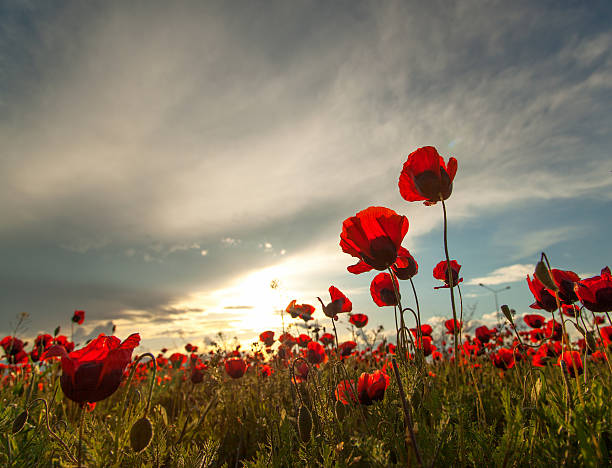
(527, 417)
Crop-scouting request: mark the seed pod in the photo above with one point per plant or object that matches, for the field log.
(141, 434)
(304, 424)
(340, 410)
(19, 422)
(590, 341)
(542, 273)
(506, 311)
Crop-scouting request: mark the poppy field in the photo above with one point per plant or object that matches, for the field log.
(533, 391)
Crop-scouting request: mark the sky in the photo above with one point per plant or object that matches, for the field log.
(162, 162)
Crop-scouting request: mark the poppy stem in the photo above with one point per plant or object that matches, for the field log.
(416, 300)
(450, 277)
(407, 416)
(81, 424)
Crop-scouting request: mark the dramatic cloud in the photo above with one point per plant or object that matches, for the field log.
(507, 274)
(157, 155)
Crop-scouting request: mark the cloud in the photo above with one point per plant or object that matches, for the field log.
(507, 274)
(229, 241)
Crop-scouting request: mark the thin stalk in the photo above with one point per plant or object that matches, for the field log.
(407, 415)
(450, 278)
(81, 421)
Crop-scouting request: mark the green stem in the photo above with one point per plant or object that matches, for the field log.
(449, 274)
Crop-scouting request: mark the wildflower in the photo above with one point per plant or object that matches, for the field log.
(94, 372)
(78, 317)
(383, 291)
(267, 338)
(339, 303)
(346, 348)
(374, 236)
(534, 320)
(451, 325)
(303, 311)
(596, 292)
(344, 392)
(573, 362)
(359, 320)
(441, 272)
(315, 353)
(503, 359)
(425, 176)
(303, 340)
(235, 367)
(484, 333)
(565, 281)
(327, 339)
(371, 387)
(544, 299)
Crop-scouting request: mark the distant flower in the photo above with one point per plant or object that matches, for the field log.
(451, 325)
(339, 303)
(346, 348)
(13, 349)
(534, 320)
(596, 292)
(303, 340)
(267, 338)
(374, 236)
(266, 370)
(441, 272)
(78, 317)
(345, 393)
(382, 290)
(371, 387)
(94, 372)
(359, 320)
(235, 367)
(573, 362)
(503, 359)
(425, 176)
(315, 353)
(303, 311)
(484, 333)
(327, 339)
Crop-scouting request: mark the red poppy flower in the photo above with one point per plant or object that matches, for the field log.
(534, 320)
(405, 267)
(177, 359)
(426, 344)
(451, 325)
(371, 387)
(287, 339)
(606, 333)
(544, 299)
(78, 317)
(503, 359)
(316, 353)
(374, 236)
(339, 303)
(61, 340)
(94, 372)
(303, 311)
(267, 338)
(426, 330)
(11, 345)
(266, 370)
(346, 348)
(484, 333)
(573, 362)
(425, 176)
(570, 310)
(344, 391)
(565, 281)
(596, 292)
(191, 348)
(359, 320)
(303, 340)
(554, 330)
(235, 367)
(327, 339)
(441, 272)
(382, 290)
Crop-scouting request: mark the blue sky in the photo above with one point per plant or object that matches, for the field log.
(162, 163)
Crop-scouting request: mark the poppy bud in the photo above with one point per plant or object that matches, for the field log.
(542, 273)
(304, 424)
(19, 422)
(141, 434)
(506, 311)
(590, 341)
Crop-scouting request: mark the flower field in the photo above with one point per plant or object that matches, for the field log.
(533, 391)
